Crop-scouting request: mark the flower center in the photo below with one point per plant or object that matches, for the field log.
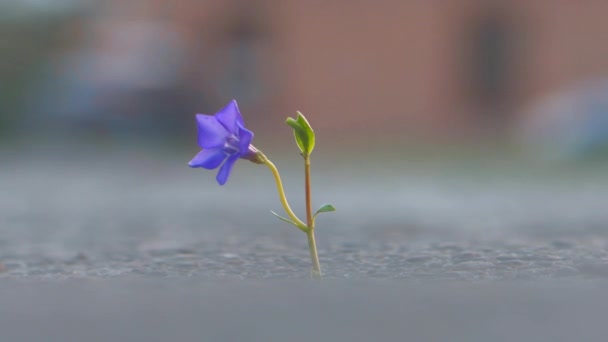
(231, 146)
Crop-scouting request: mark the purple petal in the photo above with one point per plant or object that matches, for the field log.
(245, 137)
(229, 116)
(210, 132)
(208, 159)
(224, 173)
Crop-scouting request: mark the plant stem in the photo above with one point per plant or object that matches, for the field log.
(312, 246)
(277, 179)
(310, 223)
(309, 226)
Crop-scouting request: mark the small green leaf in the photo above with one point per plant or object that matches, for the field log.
(305, 136)
(309, 132)
(325, 208)
(284, 219)
(288, 221)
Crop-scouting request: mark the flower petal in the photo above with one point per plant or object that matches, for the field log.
(245, 137)
(210, 132)
(208, 159)
(229, 116)
(224, 173)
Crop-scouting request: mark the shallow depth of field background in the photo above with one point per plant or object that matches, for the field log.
(459, 121)
(463, 142)
(388, 75)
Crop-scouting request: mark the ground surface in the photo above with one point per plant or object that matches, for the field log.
(98, 239)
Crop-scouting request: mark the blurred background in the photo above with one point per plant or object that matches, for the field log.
(436, 121)
(524, 73)
(459, 140)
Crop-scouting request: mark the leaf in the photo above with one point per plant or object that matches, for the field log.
(305, 136)
(309, 132)
(325, 208)
(284, 219)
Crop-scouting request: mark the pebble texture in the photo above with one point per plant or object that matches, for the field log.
(99, 215)
(113, 245)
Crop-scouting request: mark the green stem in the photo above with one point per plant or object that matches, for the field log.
(281, 190)
(310, 223)
(312, 246)
(309, 226)
(309, 219)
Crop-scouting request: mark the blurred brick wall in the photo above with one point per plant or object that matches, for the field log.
(394, 67)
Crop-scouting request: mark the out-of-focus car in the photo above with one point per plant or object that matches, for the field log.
(570, 124)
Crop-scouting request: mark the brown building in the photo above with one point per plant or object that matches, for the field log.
(425, 68)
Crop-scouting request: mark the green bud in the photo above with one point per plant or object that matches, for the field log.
(305, 136)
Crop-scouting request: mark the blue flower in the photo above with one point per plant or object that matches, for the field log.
(223, 139)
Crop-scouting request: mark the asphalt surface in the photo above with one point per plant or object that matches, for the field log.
(110, 245)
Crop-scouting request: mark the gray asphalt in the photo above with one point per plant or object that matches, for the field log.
(288, 310)
(131, 245)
